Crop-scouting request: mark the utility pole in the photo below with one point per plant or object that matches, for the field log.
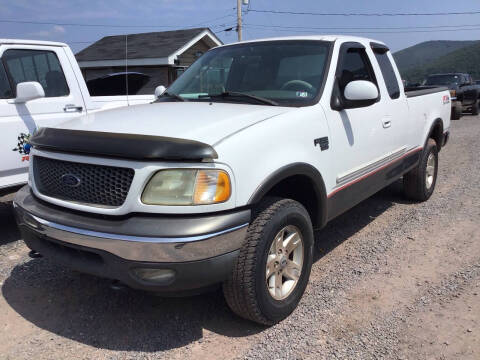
(239, 19)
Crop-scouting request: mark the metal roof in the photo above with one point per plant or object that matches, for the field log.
(143, 45)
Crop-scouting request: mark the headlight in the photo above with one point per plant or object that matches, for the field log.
(187, 187)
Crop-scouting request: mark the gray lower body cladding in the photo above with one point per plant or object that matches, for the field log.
(196, 255)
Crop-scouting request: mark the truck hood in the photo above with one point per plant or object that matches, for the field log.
(200, 121)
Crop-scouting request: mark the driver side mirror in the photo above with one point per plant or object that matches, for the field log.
(361, 90)
(29, 90)
(357, 94)
(159, 90)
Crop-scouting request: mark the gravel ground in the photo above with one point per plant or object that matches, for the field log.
(391, 280)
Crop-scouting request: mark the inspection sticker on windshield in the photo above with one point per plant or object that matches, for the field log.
(302, 94)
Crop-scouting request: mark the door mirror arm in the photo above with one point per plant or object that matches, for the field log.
(357, 94)
(336, 103)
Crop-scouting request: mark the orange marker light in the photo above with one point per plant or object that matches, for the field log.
(223, 188)
(211, 186)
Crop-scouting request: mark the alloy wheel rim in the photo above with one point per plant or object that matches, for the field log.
(430, 173)
(284, 262)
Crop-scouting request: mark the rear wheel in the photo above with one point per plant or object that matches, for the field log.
(272, 270)
(419, 183)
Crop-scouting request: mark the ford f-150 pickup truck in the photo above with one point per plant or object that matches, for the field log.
(40, 85)
(224, 178)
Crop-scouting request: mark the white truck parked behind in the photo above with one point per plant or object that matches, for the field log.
(40, 86)
(224, 179)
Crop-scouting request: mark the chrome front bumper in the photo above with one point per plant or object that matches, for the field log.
(196, 251)
(38, 217)
(137, 248)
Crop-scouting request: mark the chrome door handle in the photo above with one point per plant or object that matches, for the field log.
(72, 108)
(386, 124)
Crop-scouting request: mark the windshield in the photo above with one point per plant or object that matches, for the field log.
(442, 80)
(289, 73)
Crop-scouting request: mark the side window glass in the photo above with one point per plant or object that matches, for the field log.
(5, 89)
(388, 73)
(37, 65)
(355, 66)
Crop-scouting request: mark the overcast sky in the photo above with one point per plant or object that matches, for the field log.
(160, 15)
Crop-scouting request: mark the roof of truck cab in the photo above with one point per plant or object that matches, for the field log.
(342, 38)
(31, 42)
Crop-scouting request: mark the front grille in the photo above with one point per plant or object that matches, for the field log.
(84, 183)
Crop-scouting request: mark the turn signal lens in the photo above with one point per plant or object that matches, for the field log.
(211, 186)
(453, 93)
(187, 187)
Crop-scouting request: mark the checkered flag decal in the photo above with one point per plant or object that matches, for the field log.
(22, 144)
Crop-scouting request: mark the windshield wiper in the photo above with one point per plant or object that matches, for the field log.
(234, 94)
(173, 96)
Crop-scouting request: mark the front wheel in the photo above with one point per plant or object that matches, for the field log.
(419, 182)
(272, 270)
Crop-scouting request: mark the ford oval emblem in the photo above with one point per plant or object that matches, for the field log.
(71, 180)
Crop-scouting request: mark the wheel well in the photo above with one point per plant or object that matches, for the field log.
(302, 189)
(436, 133)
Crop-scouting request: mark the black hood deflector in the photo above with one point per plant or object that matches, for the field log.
(129, 146)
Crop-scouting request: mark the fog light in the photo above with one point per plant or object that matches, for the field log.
(154, 275)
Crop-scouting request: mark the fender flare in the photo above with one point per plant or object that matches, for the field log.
(296, 169)
(436, 122)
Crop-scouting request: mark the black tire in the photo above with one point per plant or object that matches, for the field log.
(415, 181)
(456, 113)
(475, 108)
(246, 290)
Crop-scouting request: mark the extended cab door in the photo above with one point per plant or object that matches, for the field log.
(361, 134)
(400, 127)
(49, 66)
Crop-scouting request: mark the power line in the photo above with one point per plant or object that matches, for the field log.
(106, 25)
(376, 32)
(365, 14)
(214, 19)
(229, 28)
(362, 28)
(84, 25)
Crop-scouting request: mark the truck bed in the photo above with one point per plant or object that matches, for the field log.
(423, 90)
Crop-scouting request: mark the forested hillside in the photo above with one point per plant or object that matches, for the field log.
(421, 62)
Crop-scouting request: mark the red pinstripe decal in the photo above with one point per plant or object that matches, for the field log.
(374, 171)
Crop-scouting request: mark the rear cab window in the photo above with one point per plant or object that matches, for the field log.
(36, 65)
(388, 72)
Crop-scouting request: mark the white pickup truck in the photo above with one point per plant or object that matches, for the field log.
(224, 178)
(40, 85)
